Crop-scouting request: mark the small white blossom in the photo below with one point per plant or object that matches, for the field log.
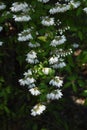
(46, 70)
(32, 57)
(38, 109)
(53, 60)
(2, 6)
(1, 28)
(34, 91)
(58, 40)
(33, 45)
(25, 35)
(31, 85)
(44, 1)
(16, 7)
(75, 4)
(46, 21)
(85, 9)
(1, 43)
(75, 45)
(27, 81)
(22, 82)
(59, 65)
(28, 73)
(56, 82)
(56, 94)
(22, 18)
(60, 8)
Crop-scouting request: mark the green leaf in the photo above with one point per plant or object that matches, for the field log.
(42, 38)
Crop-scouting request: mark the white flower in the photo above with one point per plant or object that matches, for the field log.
(60, 8)
(85, 9)
(56, 82)
(56, 94)
(2, 6)
(75, 45)
(34, 91)
(53, 60)
(59, 65)
(27, 81)
(44, 1)
(46, 70)
(1, 28)
(22, 18)
(58, 40)
(38, 109)
(32, 57)
(75, 4)
(33, 45)
(31, 85)
(1, 43)
(28, 73)
(22, 82)
(25, 35)
(16, 6)
(46, 21)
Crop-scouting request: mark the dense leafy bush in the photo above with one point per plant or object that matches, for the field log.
(42, 55)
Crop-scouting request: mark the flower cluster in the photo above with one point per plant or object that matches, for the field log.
(46, 50)
(57, 82)
(34, 91)
(32, 57)
(47, 21)
(64, 7)
(25, 35)
(17, 7)
(38, 109)
(58, 40)
(55, 95)
(22, 18)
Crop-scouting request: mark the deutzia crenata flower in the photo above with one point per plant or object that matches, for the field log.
(75, 45)
(59, 65)
(60, 8)
(1, 43)
(25, 35)
(46, 21)
(32, 57)
(1, 28)
(56, 94)
(16, 6)
(2, 6)
(75, 4)
(53, 60)
(85, 9)
(33, 45)
(46, 70)
(44, 1)
(28, 73)
(35, 91)
(58, 40)
(38, 109)
(56, 82)
(27, 81)
(22, 18)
